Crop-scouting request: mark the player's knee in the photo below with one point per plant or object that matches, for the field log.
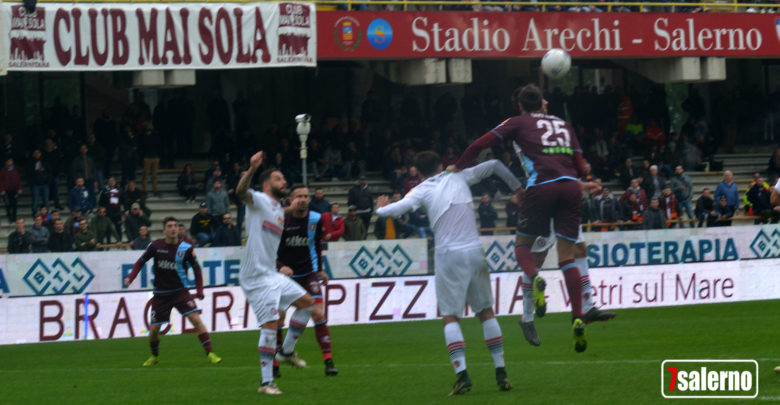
(486, 314)
(318, 315)
(580, 250)
(449, 319)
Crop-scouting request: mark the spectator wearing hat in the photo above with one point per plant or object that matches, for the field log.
(217, 200)
(332, 224)
(354, 228)
(202, 225)
(134, 220)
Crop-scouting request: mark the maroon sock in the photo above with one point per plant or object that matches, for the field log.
(323, 338)
(525, 259)
(155, 346)
(571, 275)
(205, 341)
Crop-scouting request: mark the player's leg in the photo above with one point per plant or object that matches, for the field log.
(279, 340)
(323, 337)
(265, 304)
(203, 336)
(154, 345)
(160, 314)
(589, 311)
(533, 221)
(451, 288)
(294, 295)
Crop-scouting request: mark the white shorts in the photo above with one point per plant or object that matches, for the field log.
(462, 276)
(542, 244)
(276, 293)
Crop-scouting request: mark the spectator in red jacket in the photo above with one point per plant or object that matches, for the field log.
(635, 189)
(332, 224)
(10, 188)
(669, 205)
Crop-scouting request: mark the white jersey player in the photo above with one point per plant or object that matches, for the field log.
(267, 290)
(461, 271)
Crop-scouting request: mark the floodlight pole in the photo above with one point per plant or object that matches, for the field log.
(303, 129)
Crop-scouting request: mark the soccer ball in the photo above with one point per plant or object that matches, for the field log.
(556, 63)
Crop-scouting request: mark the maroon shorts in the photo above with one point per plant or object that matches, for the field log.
(311, 283)
(560, 201)
(163, 303)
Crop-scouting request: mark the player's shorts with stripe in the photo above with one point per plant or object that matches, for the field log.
(462, 276)
(543, 244)
(311, 283)
(163, 303)
(560, 201)
(275, 292)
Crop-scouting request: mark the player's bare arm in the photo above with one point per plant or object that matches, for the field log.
(286, 270)
(323, 277)
(246, 177)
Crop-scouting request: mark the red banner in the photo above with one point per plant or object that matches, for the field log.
(397, 35)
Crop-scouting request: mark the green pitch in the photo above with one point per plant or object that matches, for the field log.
(406, 363)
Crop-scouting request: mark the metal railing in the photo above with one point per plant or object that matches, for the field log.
(435, 5)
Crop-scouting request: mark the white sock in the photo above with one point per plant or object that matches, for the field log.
(587, 290)
(456, 346)
(494, 341)
(528, 299)
(298, 323)
(266, 346)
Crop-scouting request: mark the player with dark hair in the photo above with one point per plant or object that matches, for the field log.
(461, 272)
(300, 257)
(267, 290)
(171, 258)
(552, 156)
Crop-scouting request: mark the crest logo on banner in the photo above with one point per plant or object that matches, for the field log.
(765, 245)
(347, 33)
(27, 37)
(501, 257)
(59, 278)
(381, 262)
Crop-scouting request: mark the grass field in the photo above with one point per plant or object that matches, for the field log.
(407, 363)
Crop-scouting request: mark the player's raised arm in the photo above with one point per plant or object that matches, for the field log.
(193, 261)
(489, 139)
(409, 203)
(148, 254)
(484, 170)
(246, 177)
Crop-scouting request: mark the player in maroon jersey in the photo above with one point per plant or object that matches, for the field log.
(300, 257)
(552, 156)
(171, 259)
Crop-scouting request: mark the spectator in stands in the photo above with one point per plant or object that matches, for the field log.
(758, 197)
(217, 200)
(632, 210)
(654, 217)
(186, 184)
(83, 166)
(39, 179)
(354, 227)
(53, 217)
(18, 240)
(110, 198)
(332, 224)
(150, 146)
(354, 158)
(412, 179)
(183, 234)
(727, 188)
(669, 206)
(487, 214)
(128, 154)
(360, 196)
(203, 225)
(606, 209)
(59, 240)
(227, 234)
(52, 158)
(682, 186)
(635, 189)
(132, 196)
(104, 228)
(390, 228)
(79, 198)
(98, 155)
(38, 236)
(84, 239)
(208, 175)
(773, 170)
(10, 188)
(72, 224)
(419, 220)
(723, 211)
(143, 240)
(705, 208)
(319, 203)
(654, 184)
(134, 220)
